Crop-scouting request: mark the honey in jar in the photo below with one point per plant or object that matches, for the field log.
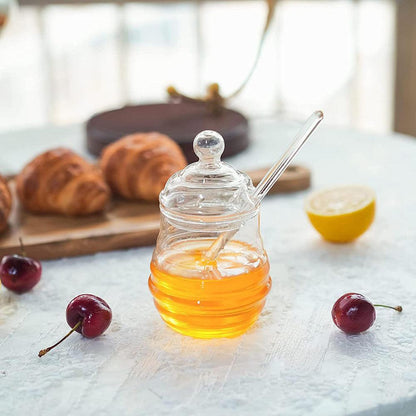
(195, 293)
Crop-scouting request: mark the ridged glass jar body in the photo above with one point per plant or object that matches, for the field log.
(207, 298)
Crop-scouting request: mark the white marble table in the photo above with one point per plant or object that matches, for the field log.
(293, 362)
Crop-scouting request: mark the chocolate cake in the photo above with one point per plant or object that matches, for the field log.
(180, 121)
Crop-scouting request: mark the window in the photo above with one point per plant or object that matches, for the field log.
(62, 63)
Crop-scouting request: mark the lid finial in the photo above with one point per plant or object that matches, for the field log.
(208, 146)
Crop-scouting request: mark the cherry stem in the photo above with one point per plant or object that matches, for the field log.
(396, 308)
(22, 247)
(43, 352)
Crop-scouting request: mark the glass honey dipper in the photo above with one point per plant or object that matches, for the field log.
(271, 177)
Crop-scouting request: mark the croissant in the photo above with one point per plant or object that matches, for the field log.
(138, 166)
(5, 203)
(61, 182)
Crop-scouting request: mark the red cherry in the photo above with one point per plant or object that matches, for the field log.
(94, 313)
(20, 273)
(87, 314)
(354, 313)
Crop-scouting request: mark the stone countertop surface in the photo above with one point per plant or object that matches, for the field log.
(293, 362)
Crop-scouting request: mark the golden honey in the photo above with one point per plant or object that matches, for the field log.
(209, 299)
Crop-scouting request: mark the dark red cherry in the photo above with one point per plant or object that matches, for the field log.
(20, 273)
(92, 311)
(354, 313)
(87, 314)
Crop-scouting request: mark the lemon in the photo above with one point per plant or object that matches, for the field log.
(341, 214)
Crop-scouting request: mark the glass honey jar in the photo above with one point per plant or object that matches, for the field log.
(196, 294)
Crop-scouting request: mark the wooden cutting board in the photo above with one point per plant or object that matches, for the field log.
(125, 224)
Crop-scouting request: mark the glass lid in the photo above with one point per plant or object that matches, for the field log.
(208, 187)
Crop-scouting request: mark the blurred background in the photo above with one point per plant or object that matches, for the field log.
(63, 60)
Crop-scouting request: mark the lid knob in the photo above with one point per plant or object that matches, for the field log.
(208, 146)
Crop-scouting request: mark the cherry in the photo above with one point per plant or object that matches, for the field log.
(354, 313)
(87, 314)
(20, 273)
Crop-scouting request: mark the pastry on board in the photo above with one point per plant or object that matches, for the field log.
(61, 182)
(5, 203)
(138, 165)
